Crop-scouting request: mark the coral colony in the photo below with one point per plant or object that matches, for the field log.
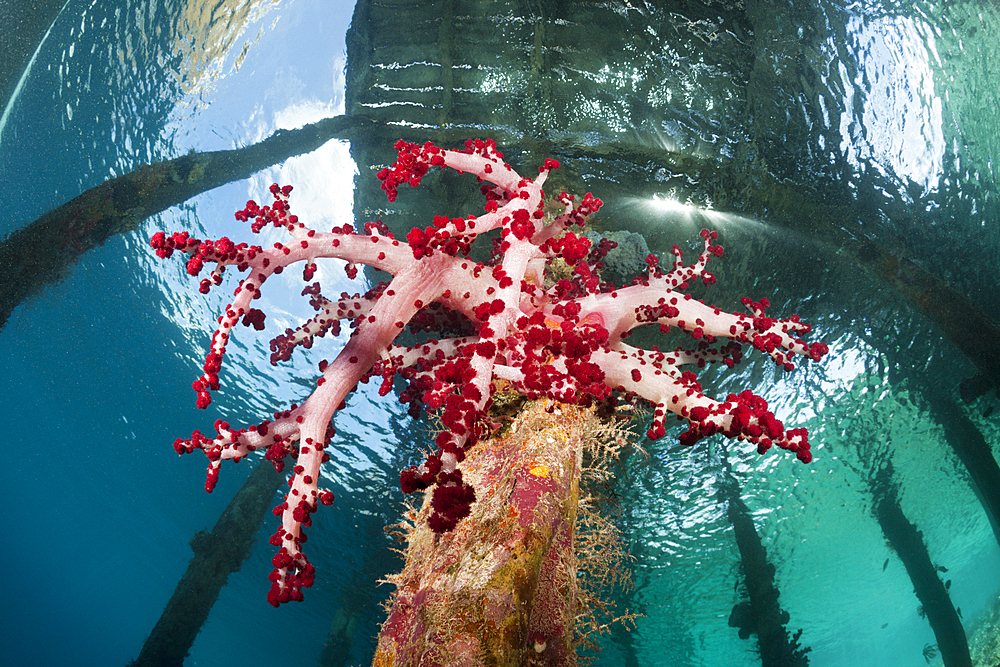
(497, 324)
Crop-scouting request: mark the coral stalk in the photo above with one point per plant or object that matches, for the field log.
(499, 588)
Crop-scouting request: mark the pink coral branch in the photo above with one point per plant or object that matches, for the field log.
(565, 342)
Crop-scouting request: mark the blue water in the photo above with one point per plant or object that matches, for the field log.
(97, 372)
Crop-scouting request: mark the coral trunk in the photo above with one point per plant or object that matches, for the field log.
(501, 588)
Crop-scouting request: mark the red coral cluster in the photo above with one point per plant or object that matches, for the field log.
(494, 321)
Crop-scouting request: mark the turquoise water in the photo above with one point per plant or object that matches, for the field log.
(897, 112)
